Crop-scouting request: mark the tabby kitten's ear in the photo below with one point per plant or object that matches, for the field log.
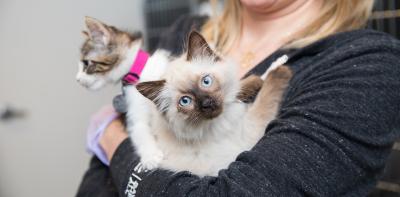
(199, 48)
(98, 32)
(151, 89)
(249, 88)
(85, 34)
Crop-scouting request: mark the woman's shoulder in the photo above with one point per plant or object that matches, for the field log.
(360, 55)
(360, 41)
(356, 47)
(363, 33)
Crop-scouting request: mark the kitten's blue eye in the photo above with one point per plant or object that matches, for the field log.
(185, 101)
(206, 81)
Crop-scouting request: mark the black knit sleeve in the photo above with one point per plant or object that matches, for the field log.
(332, 136)
(122, 165)
(97, 181)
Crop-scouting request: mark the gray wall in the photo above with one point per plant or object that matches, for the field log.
(44, 154)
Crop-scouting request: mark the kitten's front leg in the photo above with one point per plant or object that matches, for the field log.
(266, 105)
(138, 121)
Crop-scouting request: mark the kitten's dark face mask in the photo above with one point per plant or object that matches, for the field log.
(203, 101)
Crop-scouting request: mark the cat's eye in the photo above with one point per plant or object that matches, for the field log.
(185, 101)
(85, 62)
(206, 81)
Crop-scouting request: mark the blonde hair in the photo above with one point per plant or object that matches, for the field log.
(335, 16)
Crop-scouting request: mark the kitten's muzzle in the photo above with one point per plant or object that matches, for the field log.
(210, 107)
(208, 104)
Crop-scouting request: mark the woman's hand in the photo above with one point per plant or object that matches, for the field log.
(105, 130)
(112, 137)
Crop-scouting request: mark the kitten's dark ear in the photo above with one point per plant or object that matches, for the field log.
(198, 47)
(249, 88)
(85, 34)
(151, 89)
(98, 31)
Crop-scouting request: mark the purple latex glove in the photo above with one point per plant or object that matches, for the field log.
(98, 124)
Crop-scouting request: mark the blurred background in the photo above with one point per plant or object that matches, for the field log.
(44, 112)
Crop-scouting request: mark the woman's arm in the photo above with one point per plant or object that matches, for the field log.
(331, 138)
(112, 137)
(97, 181)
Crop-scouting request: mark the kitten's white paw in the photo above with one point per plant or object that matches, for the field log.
(279, 62)
(151, 161)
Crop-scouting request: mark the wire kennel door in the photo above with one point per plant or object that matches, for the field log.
(161, 14)
(386, 17)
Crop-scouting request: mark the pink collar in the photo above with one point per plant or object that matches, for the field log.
(136, 69)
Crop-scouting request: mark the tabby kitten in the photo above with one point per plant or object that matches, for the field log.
(107, 55)
(199, 119)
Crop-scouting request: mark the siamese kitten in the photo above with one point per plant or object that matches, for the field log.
(106, 57)
(199, 119)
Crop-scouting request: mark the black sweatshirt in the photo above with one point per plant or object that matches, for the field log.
(332, 136)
